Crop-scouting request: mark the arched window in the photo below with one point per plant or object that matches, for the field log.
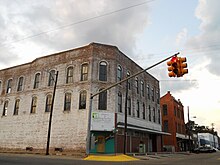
(36, 80)
(82, 99)
(84, 72)
(102, 71)
(9, 85)
(48, 103)
(119, 102)
(20, 83)
(142, 88)
(51, 80)
(16, 108)
(119, 73)
(102, 100)
(136, 85)
(5, 109)
(67, 102)
(69, 75)
(34, 105)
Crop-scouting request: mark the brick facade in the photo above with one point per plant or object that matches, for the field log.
(69, 128)
(173, 123)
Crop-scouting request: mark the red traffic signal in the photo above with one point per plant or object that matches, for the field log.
(173, 67)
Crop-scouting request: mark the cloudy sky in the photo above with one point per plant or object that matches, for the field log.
(145, 30)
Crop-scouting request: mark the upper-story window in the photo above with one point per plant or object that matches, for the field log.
(67, 102)
(129, 80)
(129, 106)
(142, 87)
(149, 109)
(102, 100)
(154, 114)
(165, 126)
(5, 108)
(119, 73)
(51, 80)
(82, 99)
(9, 85)
(159, 116)
(143, 111)
(102, 71)
(16, 108)
(136, 85)
(119, 102)
(48, 103)
(37, 81)
(153, 96)
(138, 109)
(20, 83)
(69, 75)
(148, 91)
(0, 86)
(34, 105)
(165, 112)
(158, 97)
(84, 72)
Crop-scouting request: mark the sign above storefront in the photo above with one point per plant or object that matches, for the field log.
(102, 121)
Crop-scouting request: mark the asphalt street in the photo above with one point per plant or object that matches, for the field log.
(162, 159)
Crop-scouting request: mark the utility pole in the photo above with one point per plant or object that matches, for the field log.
(126, 117)
(88, 138)
(189, 130)
(51, 114)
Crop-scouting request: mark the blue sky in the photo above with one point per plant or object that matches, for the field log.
(146, 33)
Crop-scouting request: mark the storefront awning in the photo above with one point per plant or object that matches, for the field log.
(134, 127)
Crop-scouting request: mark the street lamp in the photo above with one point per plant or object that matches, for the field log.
(51, 112)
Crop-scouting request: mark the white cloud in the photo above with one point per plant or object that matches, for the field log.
(21, 19)
(208, 41)
(181, 36)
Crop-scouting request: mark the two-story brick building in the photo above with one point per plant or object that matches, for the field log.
(173, 123)
(26, 98)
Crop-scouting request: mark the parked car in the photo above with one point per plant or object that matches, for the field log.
(204, 149)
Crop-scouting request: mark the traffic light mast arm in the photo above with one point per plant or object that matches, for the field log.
(103, 90)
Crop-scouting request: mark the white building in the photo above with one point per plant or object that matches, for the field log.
(26, 96)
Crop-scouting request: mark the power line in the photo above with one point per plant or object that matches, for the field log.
(78, 22)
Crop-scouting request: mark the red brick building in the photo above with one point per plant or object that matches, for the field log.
(173, 123)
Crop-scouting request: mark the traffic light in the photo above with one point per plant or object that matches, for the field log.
(173, 67)
(182, 65)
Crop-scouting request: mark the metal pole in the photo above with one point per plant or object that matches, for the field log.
(51, 114)
(126, 117)
(88, 138)
(189, 130)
